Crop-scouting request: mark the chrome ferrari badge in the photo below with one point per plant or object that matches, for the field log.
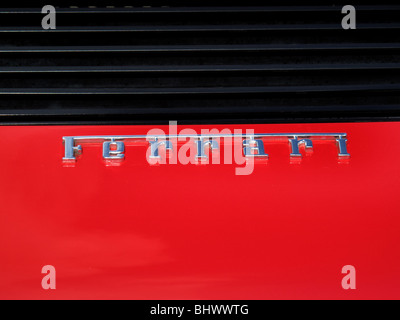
(252, 145)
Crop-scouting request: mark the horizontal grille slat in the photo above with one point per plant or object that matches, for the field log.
(155, 61)
(199, 28)
(207, 9)
(206, 48)
(206, 68)
(205, 91)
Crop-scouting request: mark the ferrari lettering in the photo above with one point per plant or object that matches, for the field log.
(252, 146)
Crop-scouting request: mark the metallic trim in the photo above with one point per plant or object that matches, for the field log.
(251, 143)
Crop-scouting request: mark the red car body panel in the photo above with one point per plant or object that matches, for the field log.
(137, 231)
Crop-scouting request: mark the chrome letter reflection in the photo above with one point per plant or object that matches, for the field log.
(252, 145)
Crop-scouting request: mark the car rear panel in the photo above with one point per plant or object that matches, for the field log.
(138, 231)
(174, 231)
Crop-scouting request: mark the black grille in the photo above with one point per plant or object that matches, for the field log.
(199, 62)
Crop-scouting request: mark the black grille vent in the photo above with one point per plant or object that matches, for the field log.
(195, 62)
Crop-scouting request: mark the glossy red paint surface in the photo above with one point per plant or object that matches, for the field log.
(200, 232)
